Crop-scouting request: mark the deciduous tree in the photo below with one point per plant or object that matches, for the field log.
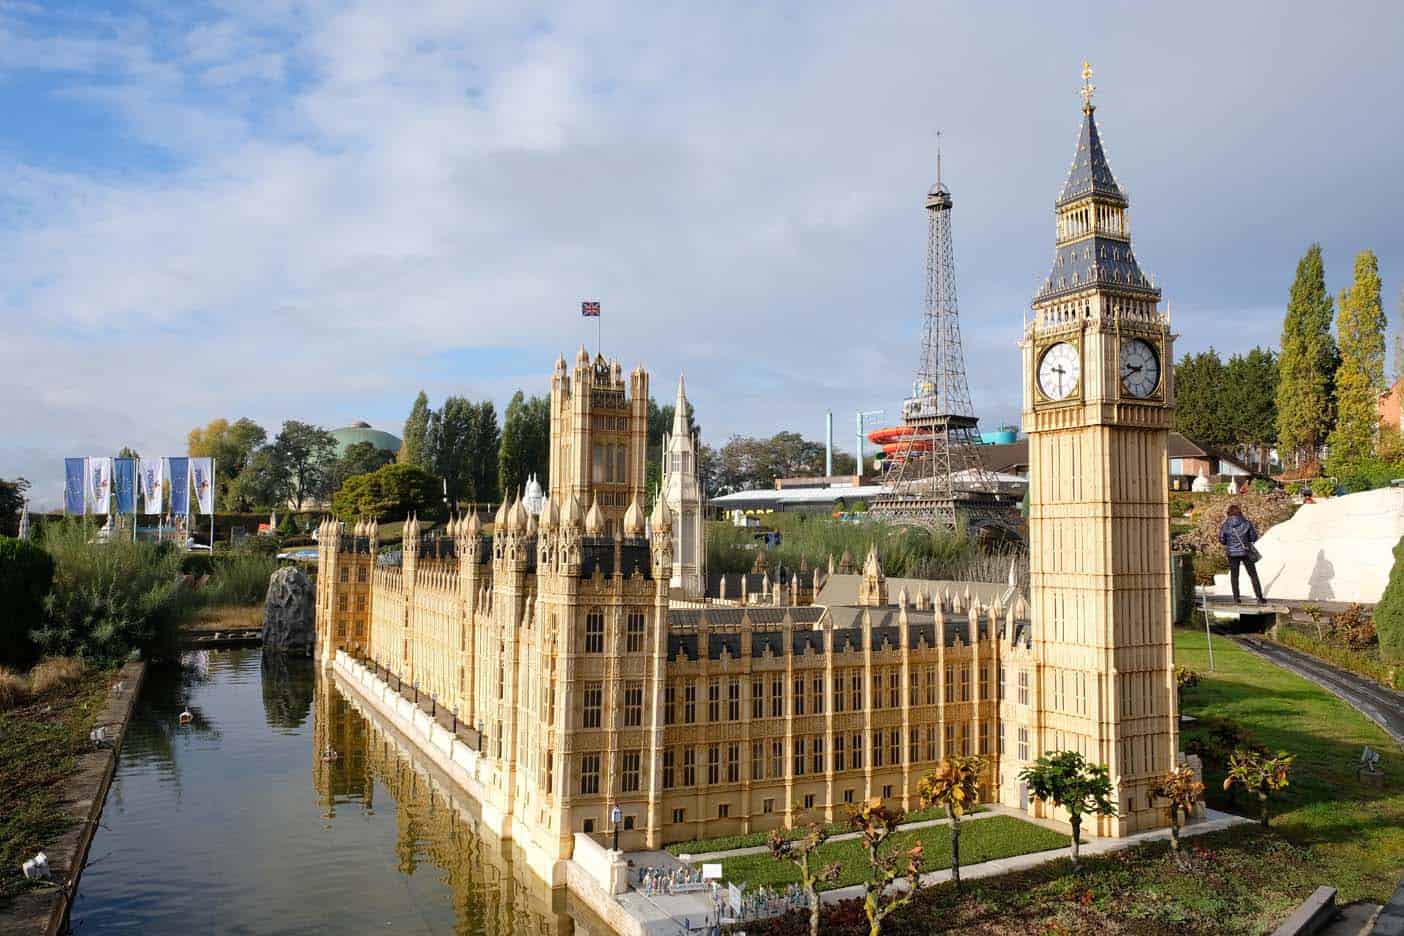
(1307, 366)
(876, 824)
(1180, 791)
(1066, 780)
(359, 458)
(231, 445)
(1260, 774)
(1250, 391)
(1360, 329)
(802, 852)
(307, 453)
(391, 492)
(954, 784)
(1389, 613)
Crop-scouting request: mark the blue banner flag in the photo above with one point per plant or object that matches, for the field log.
(124, 477)
(180, 485)
(73, 488)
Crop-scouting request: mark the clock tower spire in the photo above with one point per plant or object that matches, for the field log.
(1098, 402)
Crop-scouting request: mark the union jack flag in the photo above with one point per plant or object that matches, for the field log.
(590, 309)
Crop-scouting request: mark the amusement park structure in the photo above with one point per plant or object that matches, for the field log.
(932, 459)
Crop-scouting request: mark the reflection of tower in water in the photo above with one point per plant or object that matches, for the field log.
(492, 892)
(339, 735)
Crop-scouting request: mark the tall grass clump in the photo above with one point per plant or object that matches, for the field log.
(903, 551)
(240, 578)
(55, 673)
(110, 598)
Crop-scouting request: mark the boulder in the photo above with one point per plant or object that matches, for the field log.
(288, 613)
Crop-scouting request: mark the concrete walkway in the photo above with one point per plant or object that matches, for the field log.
(1382, 706)
(1390, 922)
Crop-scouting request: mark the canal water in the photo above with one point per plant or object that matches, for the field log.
(284, 807)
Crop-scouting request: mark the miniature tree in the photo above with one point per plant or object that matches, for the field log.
(954, 784)
(1181, 791)
(802, 853)
(1259, 773)
(1066, 779)
(877, 823)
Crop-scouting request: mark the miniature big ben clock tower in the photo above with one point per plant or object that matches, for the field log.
(1098, 401)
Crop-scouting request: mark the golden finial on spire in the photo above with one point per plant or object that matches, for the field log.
(1087, 86)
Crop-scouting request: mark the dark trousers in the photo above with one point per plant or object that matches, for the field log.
(1252, 567)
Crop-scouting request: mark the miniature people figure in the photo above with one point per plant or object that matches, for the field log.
(1237, 534)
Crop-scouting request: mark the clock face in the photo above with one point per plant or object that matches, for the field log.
(1059, 370)
(1140, 368)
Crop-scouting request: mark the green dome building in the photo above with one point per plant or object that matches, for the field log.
(361, 431)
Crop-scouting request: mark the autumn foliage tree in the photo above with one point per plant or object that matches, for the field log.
(1260, 774)
(1180, 790)
(802, 852)
(955, 785)
(875, 824)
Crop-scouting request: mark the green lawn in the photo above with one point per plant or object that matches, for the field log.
(1355, 832)
(752, 839)
(981, 840)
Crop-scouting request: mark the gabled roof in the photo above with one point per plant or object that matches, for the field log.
(1090, 174)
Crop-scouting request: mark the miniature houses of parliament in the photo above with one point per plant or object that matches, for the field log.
(588, 671)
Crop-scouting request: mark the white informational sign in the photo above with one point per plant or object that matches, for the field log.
(711, 871)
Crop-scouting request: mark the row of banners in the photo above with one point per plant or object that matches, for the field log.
(113, 485)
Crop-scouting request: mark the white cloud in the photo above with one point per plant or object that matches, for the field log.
(351, 187)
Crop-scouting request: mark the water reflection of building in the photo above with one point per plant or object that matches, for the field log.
(492, 889)
(339, 735)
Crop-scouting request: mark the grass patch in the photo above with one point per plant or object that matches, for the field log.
(39, 744)
(752, 839)
(1355, 832)
(984, 840)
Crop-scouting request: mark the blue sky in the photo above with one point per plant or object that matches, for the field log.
(312, 210)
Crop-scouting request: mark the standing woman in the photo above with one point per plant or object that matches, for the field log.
(1238, 536)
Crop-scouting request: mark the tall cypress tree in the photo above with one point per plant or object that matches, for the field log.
(1360, 326)
(414, 450)
(1306, 368)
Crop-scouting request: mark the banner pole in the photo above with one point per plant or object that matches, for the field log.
(212, 506)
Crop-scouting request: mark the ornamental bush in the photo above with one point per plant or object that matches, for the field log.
(1389, 613)
(26, 573)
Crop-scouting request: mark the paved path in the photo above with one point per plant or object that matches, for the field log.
(1390, 922)
(1382, 706)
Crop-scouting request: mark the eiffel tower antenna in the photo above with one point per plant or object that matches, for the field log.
(934, 461)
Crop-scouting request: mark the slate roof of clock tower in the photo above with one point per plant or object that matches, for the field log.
(1101, 259)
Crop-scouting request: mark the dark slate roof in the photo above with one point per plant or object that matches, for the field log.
(766, 615)
(849, 638)
(808, 638)
(775, 640)
(731, 641)
(1090, 174)
(1096, 260)
(678, 643)
(806, 614)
